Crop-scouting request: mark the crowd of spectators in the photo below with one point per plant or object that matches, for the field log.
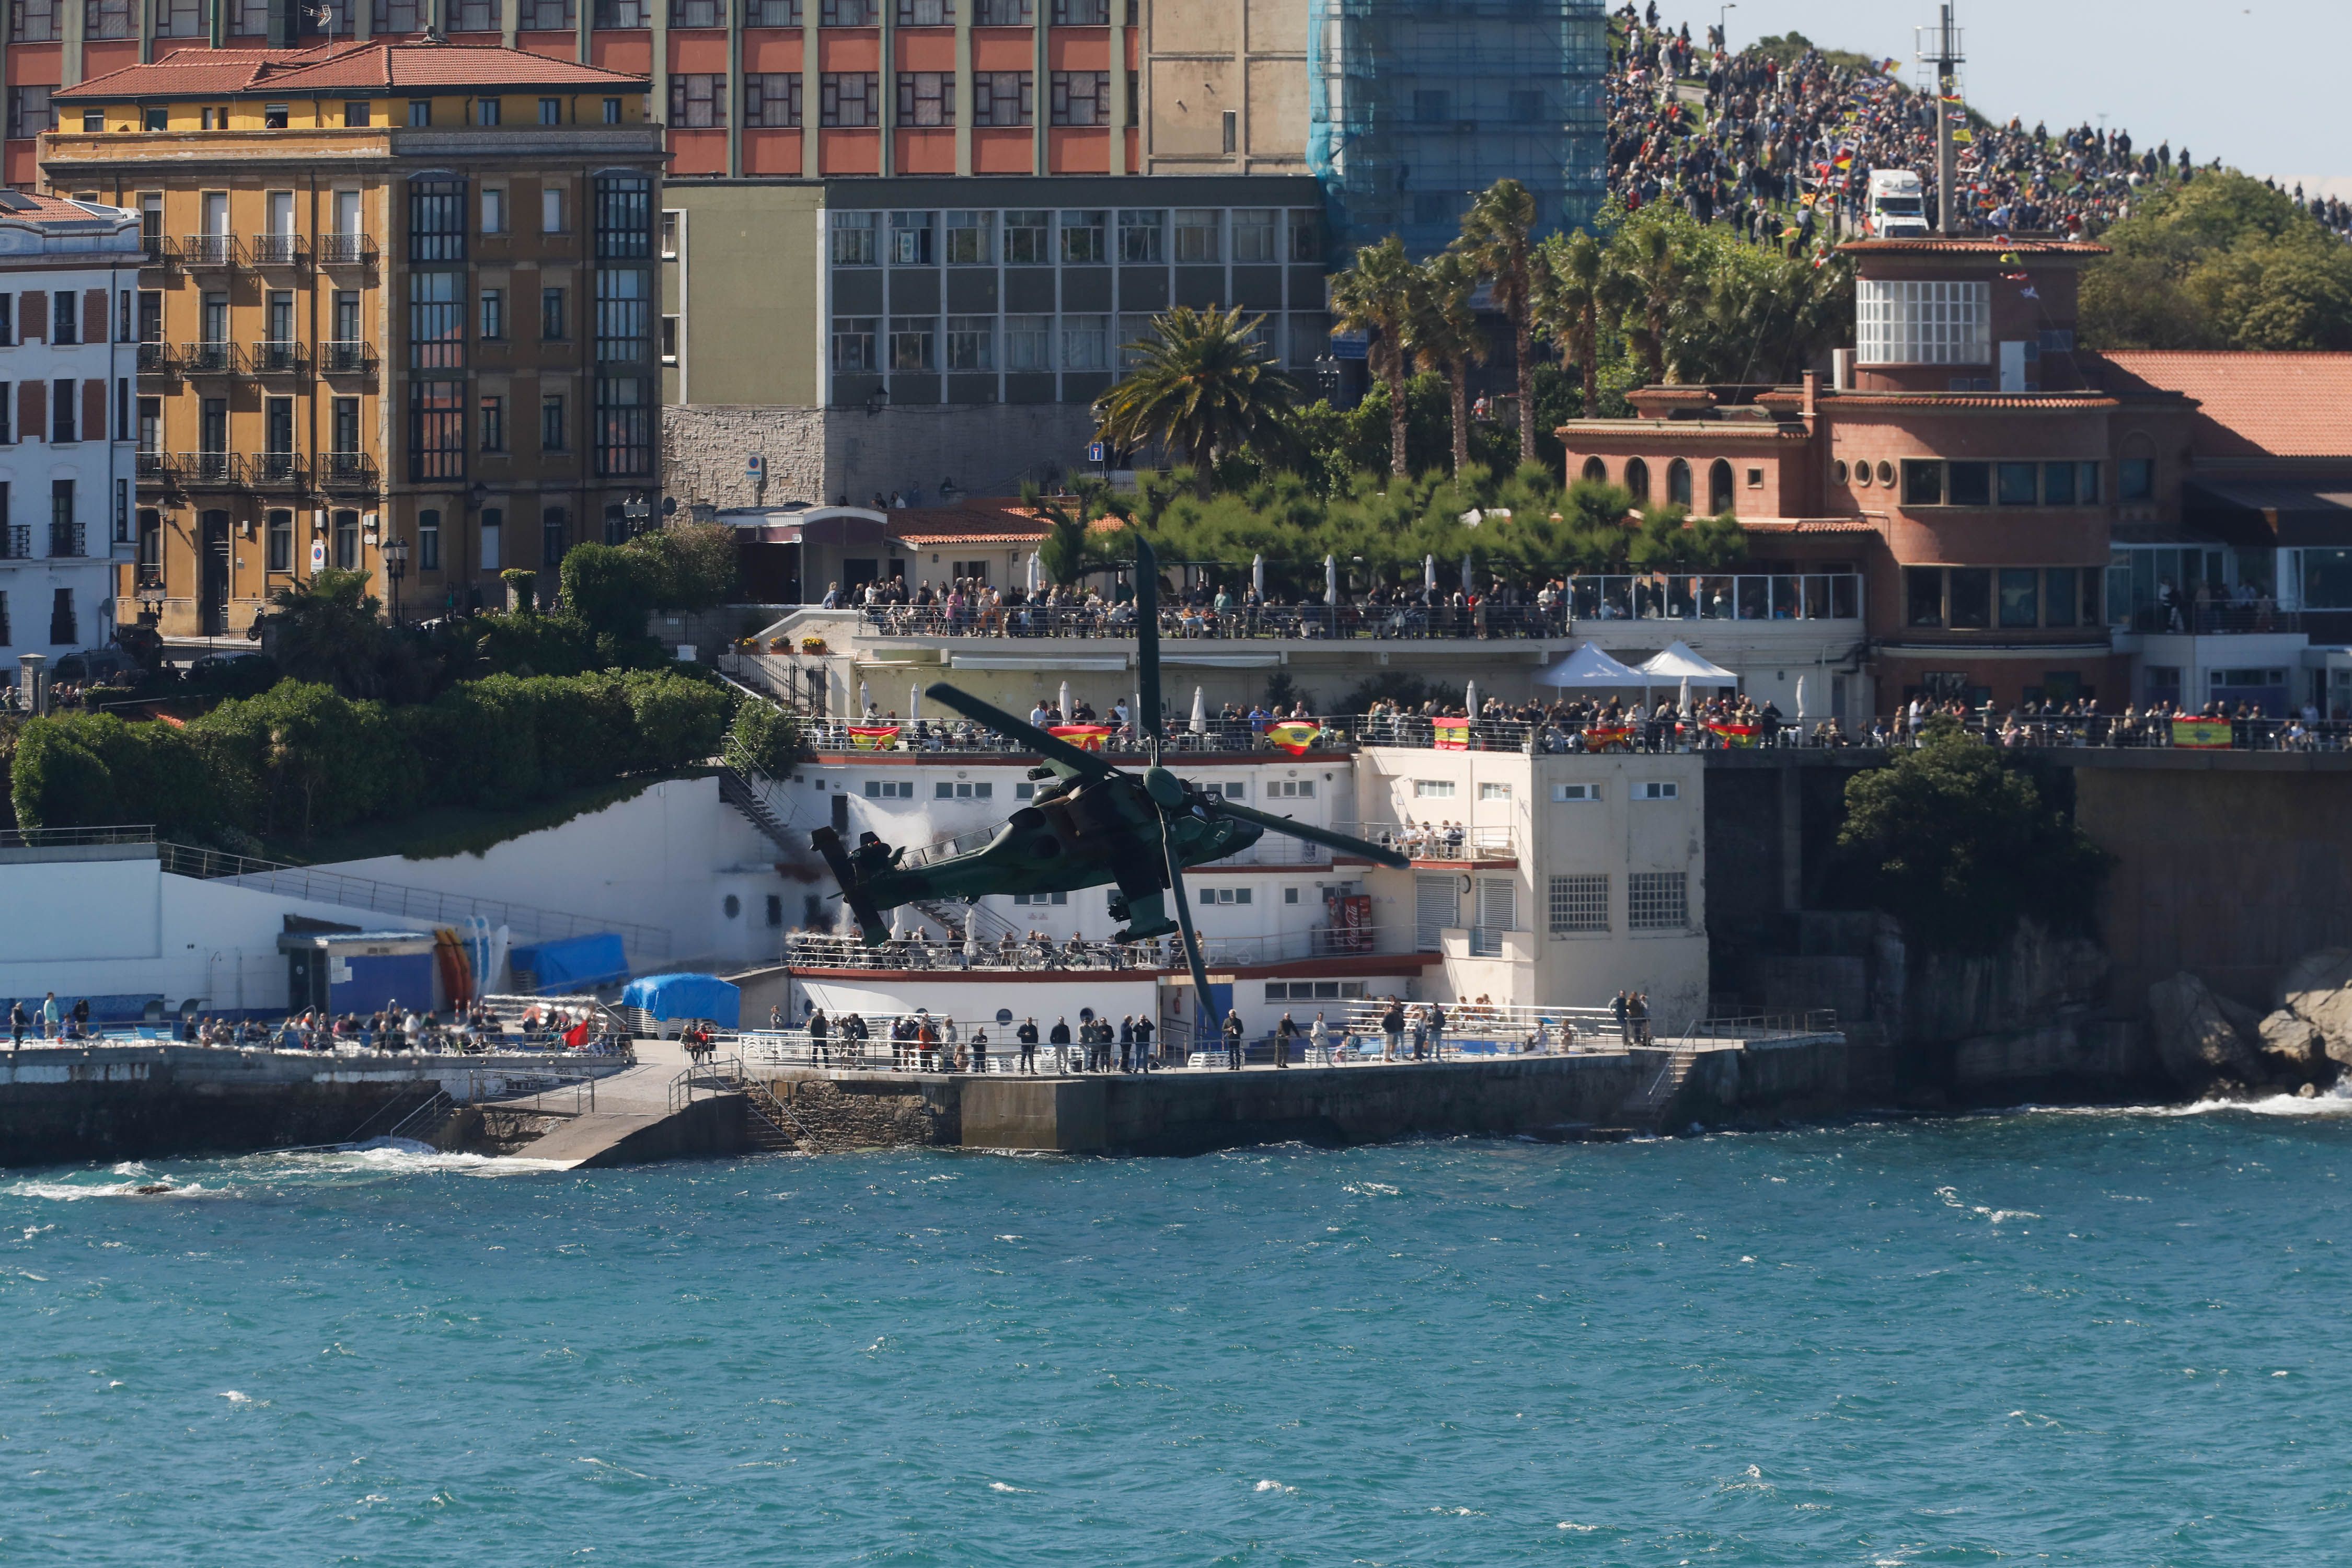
(465, 1031)
(1746, 137)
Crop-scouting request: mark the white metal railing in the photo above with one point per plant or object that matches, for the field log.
(1450, 841)
(808, 951)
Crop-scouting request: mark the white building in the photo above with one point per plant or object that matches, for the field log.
(68, 371)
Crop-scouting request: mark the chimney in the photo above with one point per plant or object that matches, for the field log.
(1812, 386)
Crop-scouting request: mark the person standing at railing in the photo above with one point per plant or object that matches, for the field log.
(1622, 1008)
(1027, 1035)
(1143, 1060)
(1284, 1032)
(1392, 1031)
(1637, 1015)
(1233, 1031)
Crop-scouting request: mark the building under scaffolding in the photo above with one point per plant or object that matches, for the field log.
(1415, 106)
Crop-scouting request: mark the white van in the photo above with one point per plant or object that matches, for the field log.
(1898, 204)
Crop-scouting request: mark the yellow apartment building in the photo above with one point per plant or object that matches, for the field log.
(396, 315)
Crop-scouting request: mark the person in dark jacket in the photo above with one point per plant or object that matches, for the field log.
(1233, 1042)
(1143, 1045)
(1027, 1035)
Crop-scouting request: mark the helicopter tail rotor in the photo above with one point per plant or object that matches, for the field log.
(827, 844)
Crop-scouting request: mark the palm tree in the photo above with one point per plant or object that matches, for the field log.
(1375, 296)
(1205, 389)
(1573, 290)
(1443, 333)
(1653, 266)
(1497, 238)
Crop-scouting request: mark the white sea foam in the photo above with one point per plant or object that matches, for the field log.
(1274, 1486)
(1001, 1486)
(234, 1397)
(71, 1191)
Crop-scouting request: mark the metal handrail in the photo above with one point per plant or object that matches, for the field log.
(346, 251)
(1448, 841)
(66, 838)
(279, 250)
(386, 898)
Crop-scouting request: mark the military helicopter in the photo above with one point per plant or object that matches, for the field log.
(1091, 823)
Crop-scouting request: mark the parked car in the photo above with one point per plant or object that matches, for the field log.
(96, 667)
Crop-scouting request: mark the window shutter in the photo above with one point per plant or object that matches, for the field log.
(32, 316)
(33, 410)
(93, 316)
(93, 397)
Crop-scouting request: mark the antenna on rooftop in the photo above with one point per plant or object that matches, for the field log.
(1939, 46)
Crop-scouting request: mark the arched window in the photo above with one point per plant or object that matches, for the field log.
(1596, 470)
(1637, 478)
(1678, 482)
(1718, 487)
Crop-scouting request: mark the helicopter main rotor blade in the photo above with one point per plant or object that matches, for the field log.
(1147, 640)
(1291, 828)
(1053, 748)
(1201, 1004)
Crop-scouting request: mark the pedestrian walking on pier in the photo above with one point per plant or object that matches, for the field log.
(1392, 1031)
(1436, 1033)
(1233, 1042)
(1027, 1035)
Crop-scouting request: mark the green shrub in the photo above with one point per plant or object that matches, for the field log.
(764, 738)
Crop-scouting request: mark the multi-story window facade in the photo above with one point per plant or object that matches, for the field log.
(334, 320)
(68, 414)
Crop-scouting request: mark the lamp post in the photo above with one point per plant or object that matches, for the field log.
(636, 510)
(395, 567)
(1723, 25)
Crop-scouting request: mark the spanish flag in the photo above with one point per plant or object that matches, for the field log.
(1085, 737)
(1845, 160)
(873, 737)
(1734, 734)
(1453, 734)
(2201, 734)
(1597, 738)
(1295, 735)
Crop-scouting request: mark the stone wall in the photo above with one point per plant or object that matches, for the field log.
(880, 1112)
(824, 454)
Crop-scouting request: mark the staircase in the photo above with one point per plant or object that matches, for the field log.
(1648, 1103)
(769, 1124)
(737, 789)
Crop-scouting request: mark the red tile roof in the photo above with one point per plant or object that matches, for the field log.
(2251, 405)
(351, 68)
(976, 521)
(28, 207)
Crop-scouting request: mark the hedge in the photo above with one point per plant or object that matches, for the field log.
(299, 758)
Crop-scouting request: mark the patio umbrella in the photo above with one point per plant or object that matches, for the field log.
(1470, 700)
(1064, 705)
(1682, 703)
(1033, 571)
(1199, 713)
(1469, 584)
(1801, 698)
(1429, 571)
(1257, 574)
(1330, 579)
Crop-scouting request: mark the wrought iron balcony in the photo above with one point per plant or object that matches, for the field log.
(154, 468)
(16, 542)
(346, 356)
(281, 250)
(210, 469)
(344, 473)
(346, 251)
(210, 359)
(65, 541)
(157, 249)
(279, 356)
(156, 359)
(207, 251)
(276, 470)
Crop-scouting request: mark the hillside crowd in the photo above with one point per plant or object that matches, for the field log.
(1764, 134)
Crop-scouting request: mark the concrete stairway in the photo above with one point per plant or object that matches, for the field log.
(1644, 1107)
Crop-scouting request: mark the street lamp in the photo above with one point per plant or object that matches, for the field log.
(395, 567)
(1723, 25)
(637, 511)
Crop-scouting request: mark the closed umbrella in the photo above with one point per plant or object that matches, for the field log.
(1257, 574)
(1064, 705)
(864, 700)
(915, 704)
(1033, 571)
(1330, 579)
(1801, 698)
(1470, 700)
(1468, 585)
(1429, 571)
(1199, 713)
(1683, 702)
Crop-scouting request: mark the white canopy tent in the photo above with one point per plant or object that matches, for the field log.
(1678, 663)
(1589, 665)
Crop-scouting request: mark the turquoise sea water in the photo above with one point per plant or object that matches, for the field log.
(2100, 1338)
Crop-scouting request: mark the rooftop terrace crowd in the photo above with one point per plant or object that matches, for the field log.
(1767, 133)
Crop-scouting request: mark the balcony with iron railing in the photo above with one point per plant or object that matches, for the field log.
(66, 541)
(210, 359)
(206, 251)
(16, 542)
(278, 356)
(1444, 843)
(346, 251)
(347, 473)
(279, 250)
(213, 469)
(155, 250)
(156, 359)
(346, 356)
(153, 467)
(276, 470)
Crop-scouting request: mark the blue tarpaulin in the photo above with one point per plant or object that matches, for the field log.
(670, 996)
(575, 964)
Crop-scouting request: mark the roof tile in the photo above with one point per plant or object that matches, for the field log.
(380, 66)
(2253, 405)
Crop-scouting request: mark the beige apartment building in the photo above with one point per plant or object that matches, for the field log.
(396, 315)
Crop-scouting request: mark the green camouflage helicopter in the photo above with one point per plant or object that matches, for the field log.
(1090, 825)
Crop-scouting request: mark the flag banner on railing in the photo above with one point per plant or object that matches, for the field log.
(2201, 734)
(1295, 735)
(1085, 737)
(1597, 738)
(1736, 734)
(873, 737)
(1453, 734)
